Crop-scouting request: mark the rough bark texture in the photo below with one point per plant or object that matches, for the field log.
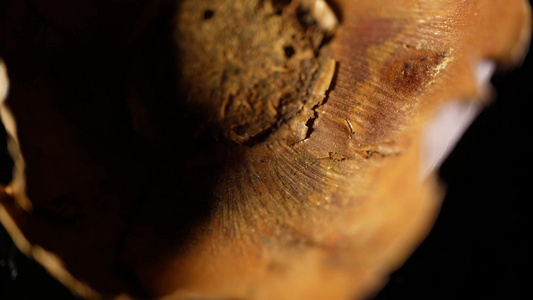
(234, 149)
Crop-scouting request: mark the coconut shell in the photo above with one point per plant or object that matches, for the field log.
(289, 158)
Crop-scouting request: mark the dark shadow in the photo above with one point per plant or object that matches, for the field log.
(107, 121)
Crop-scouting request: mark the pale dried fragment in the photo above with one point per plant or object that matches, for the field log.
(323, 14)
(4, 84)
(323, 82)
(17, 188)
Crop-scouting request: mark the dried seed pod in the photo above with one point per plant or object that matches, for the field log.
(290, 163)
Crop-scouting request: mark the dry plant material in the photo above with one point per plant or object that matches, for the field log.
(261, 149)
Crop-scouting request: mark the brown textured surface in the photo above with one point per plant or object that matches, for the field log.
(135, 196)
(244, 89)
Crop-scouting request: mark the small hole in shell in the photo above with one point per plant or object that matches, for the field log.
(289, 51)
(208, 14)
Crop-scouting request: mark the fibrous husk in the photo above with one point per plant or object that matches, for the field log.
(247, 149)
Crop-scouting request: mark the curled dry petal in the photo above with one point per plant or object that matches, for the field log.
(291, 163)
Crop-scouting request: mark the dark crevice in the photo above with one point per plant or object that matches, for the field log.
(311, 122)
(289, 51)
(208, 14)
(305, 17)
(310, 125)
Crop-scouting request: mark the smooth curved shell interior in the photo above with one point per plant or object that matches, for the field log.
(118, 192)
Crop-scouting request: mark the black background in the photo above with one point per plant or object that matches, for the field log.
(481, 245)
